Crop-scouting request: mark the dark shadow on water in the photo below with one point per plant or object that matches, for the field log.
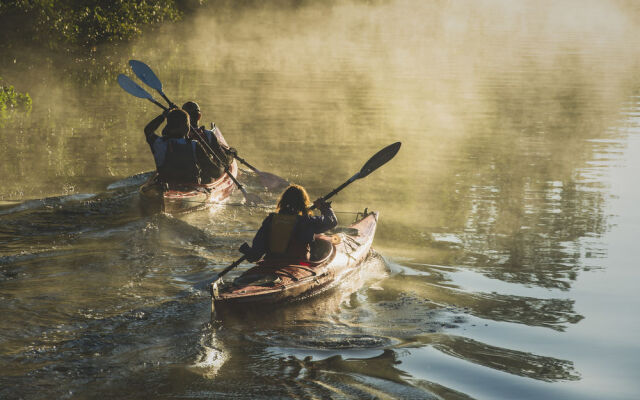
(543, 368)
(413, 296)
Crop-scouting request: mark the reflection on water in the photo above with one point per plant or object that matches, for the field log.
(514, 362)
(493, 217)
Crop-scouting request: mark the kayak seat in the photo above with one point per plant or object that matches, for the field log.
(320, 250)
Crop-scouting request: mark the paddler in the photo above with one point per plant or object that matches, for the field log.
(211, 165)
(289, 232)
(174, 154)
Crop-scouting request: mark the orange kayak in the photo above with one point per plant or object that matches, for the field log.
(335, 258)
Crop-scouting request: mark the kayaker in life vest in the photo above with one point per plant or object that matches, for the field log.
(174, 154)
(289, 232)
(211, 166)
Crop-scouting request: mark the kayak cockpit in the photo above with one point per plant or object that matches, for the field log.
(274, 271)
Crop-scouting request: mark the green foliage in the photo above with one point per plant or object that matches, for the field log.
(75, 27)
(11, 100)
(86, 22)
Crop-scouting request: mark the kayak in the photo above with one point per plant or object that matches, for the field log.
(335, 258)
(180, 198)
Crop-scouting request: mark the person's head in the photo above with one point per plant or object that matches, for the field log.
(294, 200)
(177, 124)
(193, 109)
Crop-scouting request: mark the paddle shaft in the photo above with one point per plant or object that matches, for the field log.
(171, 103)
(229, 268)
(158, 104)
(251, 167)
(339, 188)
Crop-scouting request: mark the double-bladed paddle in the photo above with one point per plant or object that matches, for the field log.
(378, 160)
(146, 75)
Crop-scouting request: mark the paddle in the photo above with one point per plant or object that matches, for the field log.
(146, 75)
(375, 162)
(133, 88)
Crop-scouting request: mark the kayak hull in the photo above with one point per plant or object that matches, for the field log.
(181, 198)
(278, 282)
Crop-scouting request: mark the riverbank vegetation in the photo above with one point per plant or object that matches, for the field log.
(36, 31)
(12, 100)
(85, 23)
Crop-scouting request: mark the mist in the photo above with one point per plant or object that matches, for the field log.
(285, 79)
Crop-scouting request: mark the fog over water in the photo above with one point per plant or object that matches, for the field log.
(505, 261)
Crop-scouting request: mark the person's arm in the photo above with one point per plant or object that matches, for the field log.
(326, 220)
(150, 129)
(259, 244)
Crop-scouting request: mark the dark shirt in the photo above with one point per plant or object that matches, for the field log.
(304, 230)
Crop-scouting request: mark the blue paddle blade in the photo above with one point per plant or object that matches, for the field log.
(133, 88)
(145, 74)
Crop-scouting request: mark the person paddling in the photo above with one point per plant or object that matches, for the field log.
(289, 232)
(212, 167)
(174, 154)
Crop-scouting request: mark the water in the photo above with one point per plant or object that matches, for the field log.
(505, 257)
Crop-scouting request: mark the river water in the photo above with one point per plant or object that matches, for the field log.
(505, 261)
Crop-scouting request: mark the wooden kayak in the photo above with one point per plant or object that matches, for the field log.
(337, 257)
(180, 198)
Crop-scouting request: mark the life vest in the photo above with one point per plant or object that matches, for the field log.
(176, 160)
(281, 241)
